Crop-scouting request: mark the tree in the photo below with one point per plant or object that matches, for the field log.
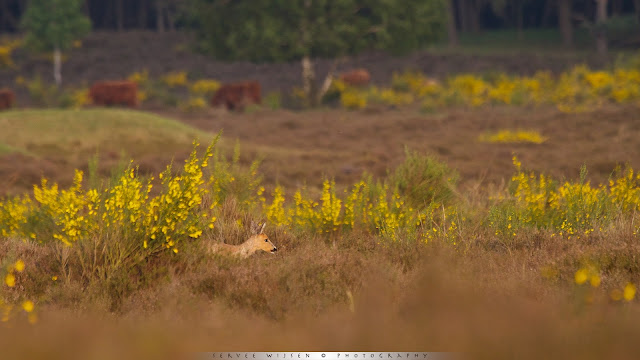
(452, 31)
(600, 27)
(301, 30)
(470, 11)
(165, 14)
(564, 22)
(53, 25)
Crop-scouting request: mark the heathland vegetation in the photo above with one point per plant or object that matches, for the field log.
(132, 240)
(125, 244)
(493, 213)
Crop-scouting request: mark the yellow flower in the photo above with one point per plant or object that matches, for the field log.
(175, 79)
(19, 266)
(595, 280)
(10, 280)
(581, 276)
(205, 87)
(629, 292)
(27, 306)
(54, 278)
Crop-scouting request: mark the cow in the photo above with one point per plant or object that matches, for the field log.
(7, 97)
(356, 77)
(108, 93)
(235, 96)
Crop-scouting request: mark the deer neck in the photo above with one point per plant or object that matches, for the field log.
(246, 249)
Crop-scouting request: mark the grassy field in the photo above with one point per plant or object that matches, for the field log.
(72, 134)
(469, 288)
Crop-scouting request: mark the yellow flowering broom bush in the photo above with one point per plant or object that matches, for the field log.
(367, 205)
(407, 205)
(204, 87)
(175, 79)
(123, 220)
(575, 90)
(571, 209)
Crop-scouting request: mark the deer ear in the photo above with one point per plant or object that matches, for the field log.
(262, 228)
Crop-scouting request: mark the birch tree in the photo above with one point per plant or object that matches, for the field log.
(53, 25)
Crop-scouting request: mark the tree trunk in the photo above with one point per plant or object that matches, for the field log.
(119, 15)
(4, 12)
(548, 11)
(170, 19)
(142, 14)
(86, 8)
(328, 80)
(160, 16)
(463, 5)
(600, 27)
(451, 25)
(474, 16)
(564, 22)
(109, 15)
(308, 79)
(7, 18)
(616, 7)
(57, 66)
(519, 19)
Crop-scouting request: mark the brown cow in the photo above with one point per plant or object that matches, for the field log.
(107, 93)
(235, 96)
(7, 97)
(356, 77)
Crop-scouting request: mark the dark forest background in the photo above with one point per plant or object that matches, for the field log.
(471, 16)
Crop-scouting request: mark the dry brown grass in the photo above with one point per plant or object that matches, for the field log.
(301, 148)
(487, 302)
(488, 297)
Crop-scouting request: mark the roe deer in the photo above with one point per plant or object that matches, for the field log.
(257, 242)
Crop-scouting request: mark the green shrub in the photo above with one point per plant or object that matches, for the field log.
(423, 180)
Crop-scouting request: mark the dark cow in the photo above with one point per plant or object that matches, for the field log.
(107, 93)
(235, 96)
(356, 77)
(7, 97)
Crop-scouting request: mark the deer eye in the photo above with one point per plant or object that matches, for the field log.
(266, 240)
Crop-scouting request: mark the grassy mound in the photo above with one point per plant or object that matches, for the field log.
(65, 132)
